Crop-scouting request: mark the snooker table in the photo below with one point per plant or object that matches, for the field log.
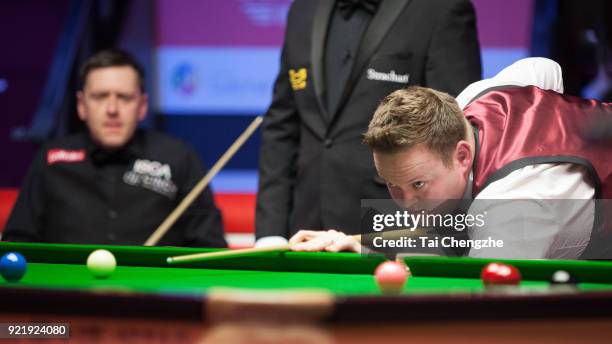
(334, 291)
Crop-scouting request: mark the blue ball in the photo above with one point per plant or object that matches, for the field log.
(13, 266)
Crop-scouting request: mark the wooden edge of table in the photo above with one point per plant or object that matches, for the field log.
(298, 305)
(424, 307)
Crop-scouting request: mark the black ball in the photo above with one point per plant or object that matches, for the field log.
(562, 277)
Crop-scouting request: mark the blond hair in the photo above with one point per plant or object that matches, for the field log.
(416, 115)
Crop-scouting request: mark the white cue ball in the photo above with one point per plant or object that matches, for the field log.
(101, 263)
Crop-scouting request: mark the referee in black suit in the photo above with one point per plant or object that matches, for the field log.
(339, 60)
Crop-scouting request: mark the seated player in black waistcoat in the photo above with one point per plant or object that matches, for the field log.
(116, 183)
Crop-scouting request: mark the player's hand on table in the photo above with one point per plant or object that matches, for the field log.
(330, 240)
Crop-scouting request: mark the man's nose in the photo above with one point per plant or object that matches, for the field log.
(409, 196)
(112, 107)
(411, 203)
(406, 198)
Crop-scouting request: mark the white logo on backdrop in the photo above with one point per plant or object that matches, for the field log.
(265, 12)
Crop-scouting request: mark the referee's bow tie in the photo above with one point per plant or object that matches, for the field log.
(347, 7)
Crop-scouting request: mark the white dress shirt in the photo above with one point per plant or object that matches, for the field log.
(543, 216)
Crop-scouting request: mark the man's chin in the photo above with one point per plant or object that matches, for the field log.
(448, 206)
(437, 206)
(112, 143)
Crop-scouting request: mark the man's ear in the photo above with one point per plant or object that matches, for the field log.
(80, 96)
(143, 107)
(463, 157)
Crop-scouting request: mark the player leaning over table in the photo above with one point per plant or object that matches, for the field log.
(512, 142)
(115, 184)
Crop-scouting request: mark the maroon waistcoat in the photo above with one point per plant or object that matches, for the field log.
(521, 126)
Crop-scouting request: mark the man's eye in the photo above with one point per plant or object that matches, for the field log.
(418, 184)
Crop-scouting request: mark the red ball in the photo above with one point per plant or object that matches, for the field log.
(391, 277)
(500, 274)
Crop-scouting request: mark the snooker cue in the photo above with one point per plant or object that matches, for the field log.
(199, 187)
(197, 257)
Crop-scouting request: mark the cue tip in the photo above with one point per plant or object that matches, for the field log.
(169, 260)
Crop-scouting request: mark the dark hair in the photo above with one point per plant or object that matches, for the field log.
(111, 58)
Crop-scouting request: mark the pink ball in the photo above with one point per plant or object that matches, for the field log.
(391, 277)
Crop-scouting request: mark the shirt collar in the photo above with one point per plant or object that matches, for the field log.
(131, 150)
(347, 7)
(467, 194)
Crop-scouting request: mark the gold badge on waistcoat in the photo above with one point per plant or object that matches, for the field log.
(298, 78)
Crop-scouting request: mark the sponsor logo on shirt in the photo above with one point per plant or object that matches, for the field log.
(391, 76)
(298, 78)
(65, 155)
(152, 175)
